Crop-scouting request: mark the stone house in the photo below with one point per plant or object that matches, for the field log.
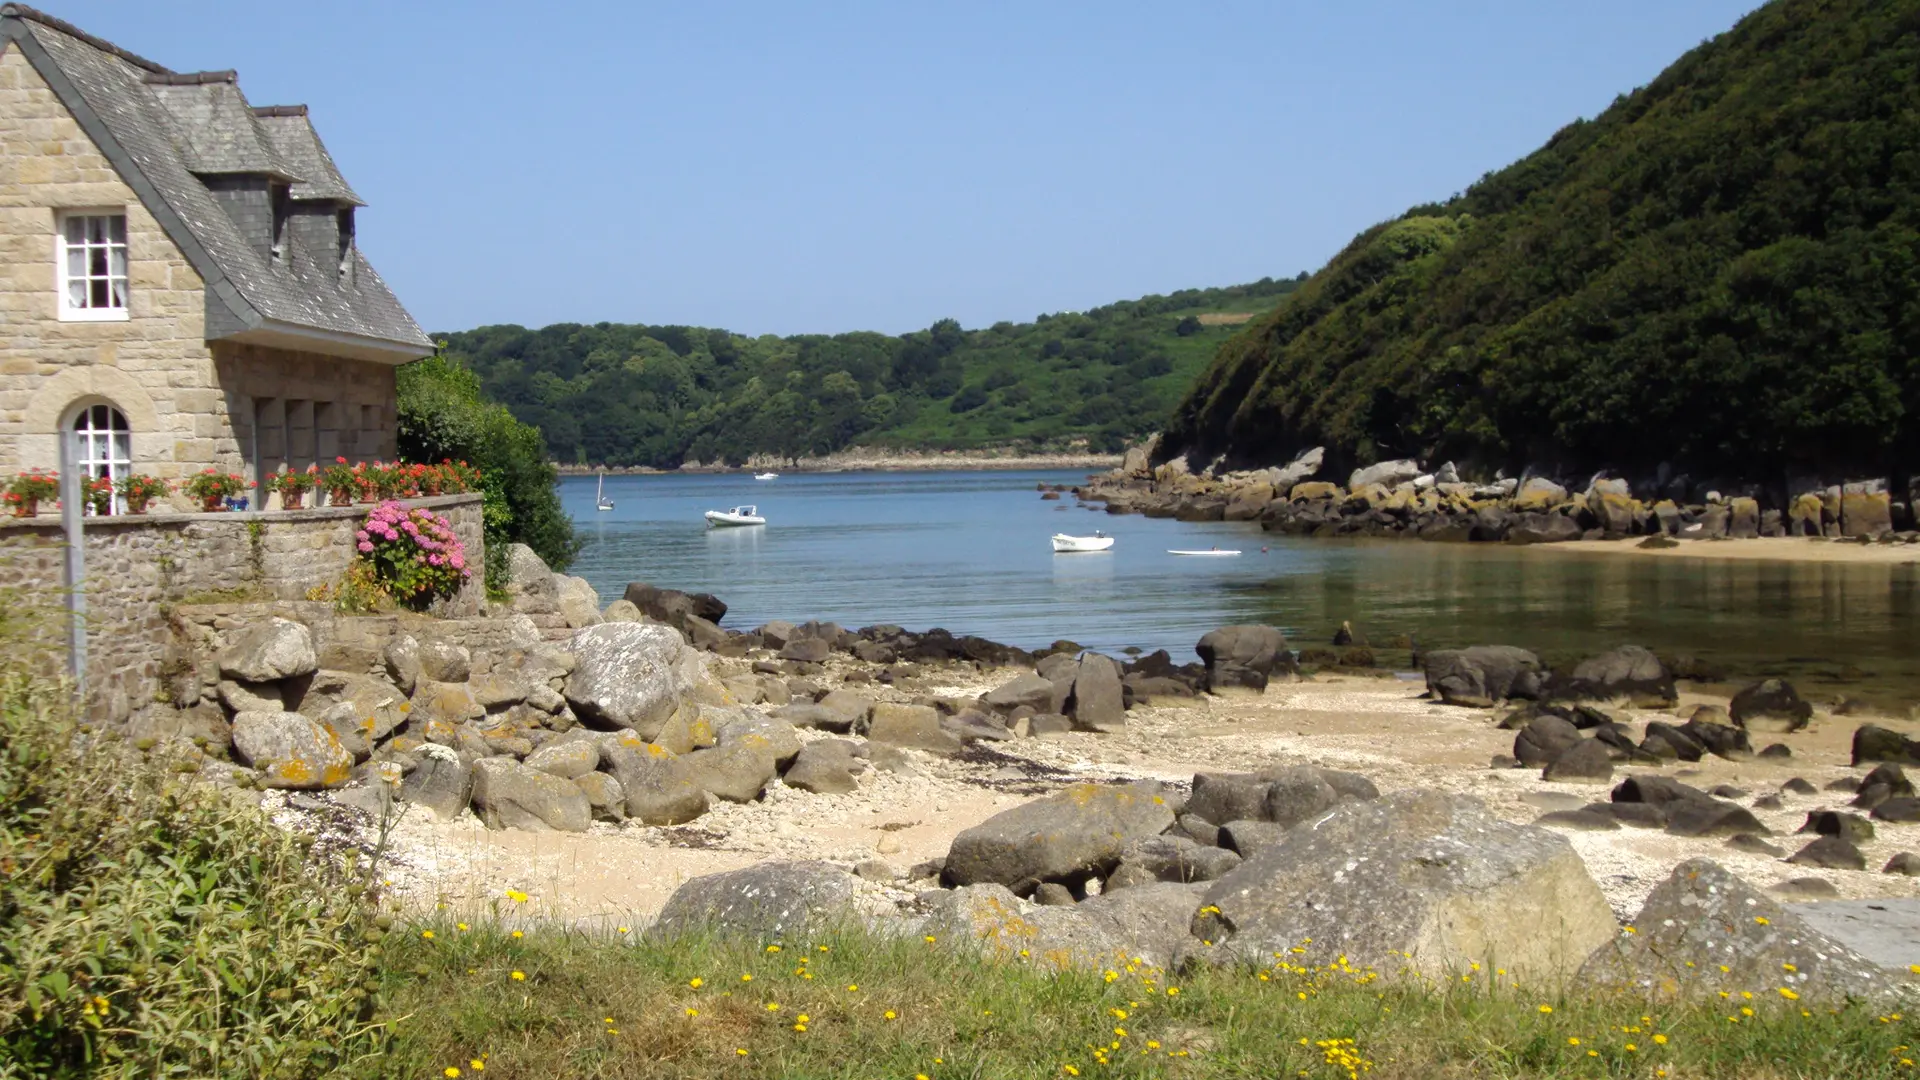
(180, 285)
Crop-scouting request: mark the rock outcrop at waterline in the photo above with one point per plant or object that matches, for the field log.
(1399, 499)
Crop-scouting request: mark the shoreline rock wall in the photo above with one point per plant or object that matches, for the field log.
(1400, 498)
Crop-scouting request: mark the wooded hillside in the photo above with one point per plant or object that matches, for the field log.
(1721, 272)
(618, 394)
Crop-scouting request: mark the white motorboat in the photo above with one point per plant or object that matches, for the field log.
(766, 476)
(739, 515)
(1209, 551)
(600, 500)
(1062, 543)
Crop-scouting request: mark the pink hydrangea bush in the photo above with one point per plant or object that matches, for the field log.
(415, 554)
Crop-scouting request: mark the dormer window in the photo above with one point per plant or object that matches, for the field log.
(277, 200)
(344, 229)
(93, 266)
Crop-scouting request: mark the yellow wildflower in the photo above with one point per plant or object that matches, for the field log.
(519, 976)
(1546, 1009)
(1660, 1040)
(695, 982)
(428, 934)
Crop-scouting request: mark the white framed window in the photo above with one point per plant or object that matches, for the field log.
(93, 266)
(103, 446)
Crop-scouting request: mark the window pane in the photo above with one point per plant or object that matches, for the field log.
(76, 262)
(97, 261)
(122, 447)
(117, 228)
(119, 292)
(117, 261)
(97, 295)
(77, 293)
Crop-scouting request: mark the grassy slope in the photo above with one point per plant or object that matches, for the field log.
(591, 1007)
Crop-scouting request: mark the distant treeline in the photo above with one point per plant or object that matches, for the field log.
(620, 394)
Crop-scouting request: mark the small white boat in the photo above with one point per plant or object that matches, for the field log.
(1097, 542)
(766, 476)
(1209, 551)
(739, 515)
(600, 500)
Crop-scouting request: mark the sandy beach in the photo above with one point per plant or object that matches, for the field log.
(1778, 549)
(620, 875)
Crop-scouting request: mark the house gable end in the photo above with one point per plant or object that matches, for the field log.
(227, 310)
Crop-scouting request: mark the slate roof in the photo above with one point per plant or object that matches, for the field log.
(164, 131)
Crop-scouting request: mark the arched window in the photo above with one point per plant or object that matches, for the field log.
(103, 447)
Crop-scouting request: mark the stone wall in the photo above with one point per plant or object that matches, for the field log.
(140, 568)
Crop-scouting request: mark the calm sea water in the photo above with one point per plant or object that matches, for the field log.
(969, 551)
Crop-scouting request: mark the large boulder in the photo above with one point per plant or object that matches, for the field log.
(630, 675)
(1865, 513)
(1075, 834)
(1545, 738)
(1174, 857)
(528, 574)
(1629, 674)
(1704, 930)
(1243, 657)
(670, 606)
(1387, 474)
(569, 759)
(826, 767)
(766, 900)
(660, 787)
(268, 651)
(1097, 702)
(991, 918)
(374, 702)
(1871, 742)
(1771, 705)
(508, 795)
(1284, 796)
(735, 771)
(1424, 879)
(440, 781)
(1029, 690)
(1151, 920)
(290, 750)
(916, 727)
(579, 603)
(1539, 494)
(1481, 675)
(444, 661)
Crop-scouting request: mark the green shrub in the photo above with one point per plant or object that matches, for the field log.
(154, 927)
(444, 415)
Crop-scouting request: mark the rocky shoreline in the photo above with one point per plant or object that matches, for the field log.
(1404, 499)
(730, 767)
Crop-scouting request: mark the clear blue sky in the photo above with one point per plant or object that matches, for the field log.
(788, 168)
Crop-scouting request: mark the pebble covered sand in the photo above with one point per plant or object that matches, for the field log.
(619, 875)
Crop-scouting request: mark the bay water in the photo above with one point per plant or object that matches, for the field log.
(969, 551)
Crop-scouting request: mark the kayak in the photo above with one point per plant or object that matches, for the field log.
(1211, 551)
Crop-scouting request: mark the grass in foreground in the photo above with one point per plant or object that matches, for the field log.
(477, 1001)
